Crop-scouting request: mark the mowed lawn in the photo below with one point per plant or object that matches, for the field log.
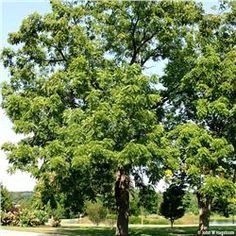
(106, 231)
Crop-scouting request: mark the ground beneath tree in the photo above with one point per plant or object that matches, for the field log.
(107, 231)
(17, 233)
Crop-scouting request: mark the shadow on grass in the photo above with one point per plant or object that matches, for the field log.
(85, 231)
(163, 231)
(134, 231)
(167, 231)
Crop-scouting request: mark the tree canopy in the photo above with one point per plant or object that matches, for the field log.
(173, 207)
(91, 116)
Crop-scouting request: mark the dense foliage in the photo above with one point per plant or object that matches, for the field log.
(23, 218)
(93, 117)
(172, 207)
(96, 211)
(6, 201)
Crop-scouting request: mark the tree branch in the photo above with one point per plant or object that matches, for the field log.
(60, 52)
(134, 27)
(146, 40)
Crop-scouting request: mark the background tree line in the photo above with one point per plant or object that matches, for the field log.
(172, 204)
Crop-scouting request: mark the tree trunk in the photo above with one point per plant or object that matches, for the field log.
(122, 202)
(142, 215)
(172, 223)
(204, 216)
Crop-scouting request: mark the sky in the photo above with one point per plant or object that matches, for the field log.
(12, 13)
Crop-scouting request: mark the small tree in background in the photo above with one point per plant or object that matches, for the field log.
(172, 207)
(96, 211)
(6, 201)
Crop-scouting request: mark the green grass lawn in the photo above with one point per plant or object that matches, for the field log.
(135, 231)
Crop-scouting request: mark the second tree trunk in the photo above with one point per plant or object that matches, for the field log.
(122, 202)
(204, 216)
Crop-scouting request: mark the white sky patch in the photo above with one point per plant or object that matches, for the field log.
(18, 181)
(161, 186)
(12, 12)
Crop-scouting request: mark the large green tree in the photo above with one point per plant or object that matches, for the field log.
(200, 86)
(79, 94)
(204, 159)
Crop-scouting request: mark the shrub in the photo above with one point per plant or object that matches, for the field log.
(134, 220)
(96, 211)
(32, 218)
(111, 216)
(9, 218)
(24, 218)
(42, 216)
(148, 220)
(56, 215)
(54, 222)
(160, 221)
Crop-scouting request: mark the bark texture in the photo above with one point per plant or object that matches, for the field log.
(204, 216)
(122, 201)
